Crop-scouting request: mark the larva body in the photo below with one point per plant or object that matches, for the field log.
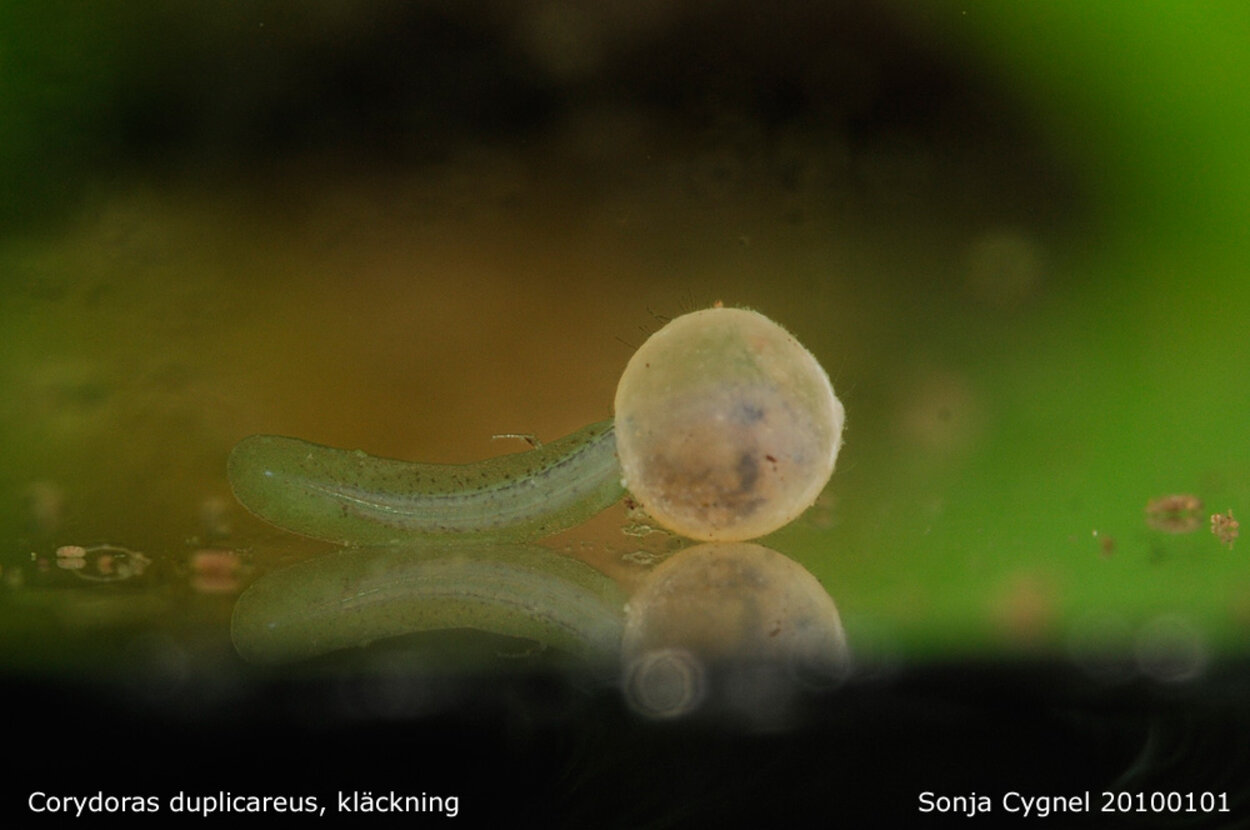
(350, 497)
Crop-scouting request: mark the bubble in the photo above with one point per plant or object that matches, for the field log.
(1101, 644)
(665, 683)
(158, 667)
(102, 563)
(941, 414)
(1171, 649)
(564, 40)
(1004, 268)
(726, 427)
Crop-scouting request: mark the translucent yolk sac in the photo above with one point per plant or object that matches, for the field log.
(727, 428)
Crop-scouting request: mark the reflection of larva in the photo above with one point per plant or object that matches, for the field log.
(357, 597)
(348, 496)
(726, 429)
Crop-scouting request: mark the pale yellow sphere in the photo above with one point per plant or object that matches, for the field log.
(726, 427)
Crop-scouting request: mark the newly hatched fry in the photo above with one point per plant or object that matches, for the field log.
(726, 429)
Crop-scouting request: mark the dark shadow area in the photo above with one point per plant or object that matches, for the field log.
(537, 747)
(116, 91)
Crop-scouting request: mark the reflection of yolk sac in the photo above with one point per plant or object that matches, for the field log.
(726, 427)
(357, 597)
(726, 606)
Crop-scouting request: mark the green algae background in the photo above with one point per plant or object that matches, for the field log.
(1014, 234)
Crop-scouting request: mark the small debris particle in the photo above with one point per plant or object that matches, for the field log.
(215, 571)
(1225, 527)
(527, 437)
(101, 563)
(215, 514)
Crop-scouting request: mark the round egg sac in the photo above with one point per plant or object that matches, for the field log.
(727, 428)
